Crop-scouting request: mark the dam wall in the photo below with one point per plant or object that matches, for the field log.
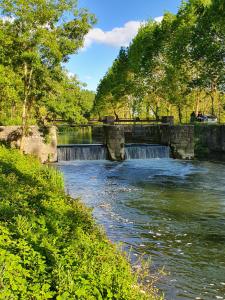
(180, 138)
(210, 141)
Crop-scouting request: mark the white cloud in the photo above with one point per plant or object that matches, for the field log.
(117, 37)
(158, 19)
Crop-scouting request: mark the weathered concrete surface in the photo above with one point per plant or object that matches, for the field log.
(115, 142)
(43, 146)
(98, 134)
(210, 141)
(142, 134)
(180, 138)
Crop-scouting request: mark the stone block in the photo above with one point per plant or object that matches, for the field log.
(36, 143)
(115, 142)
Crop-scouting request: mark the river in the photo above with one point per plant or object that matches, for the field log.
(172, 211)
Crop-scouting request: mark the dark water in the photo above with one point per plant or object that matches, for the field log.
(76, 135)
(173, 211)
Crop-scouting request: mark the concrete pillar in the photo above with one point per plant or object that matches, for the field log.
(115, 142)
(181, 140)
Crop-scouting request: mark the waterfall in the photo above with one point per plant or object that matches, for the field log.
(99, 151)
(82, 152)
(146, 151)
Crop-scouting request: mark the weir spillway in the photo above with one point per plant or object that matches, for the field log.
(121, 142)
(82, 152)
(100, 152)
(146, 151)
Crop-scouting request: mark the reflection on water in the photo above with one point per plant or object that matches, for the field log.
(76, 135)
(174, 211)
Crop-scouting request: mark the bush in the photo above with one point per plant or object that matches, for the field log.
(50, 246)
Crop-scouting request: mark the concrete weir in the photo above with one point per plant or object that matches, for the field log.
(180, 138)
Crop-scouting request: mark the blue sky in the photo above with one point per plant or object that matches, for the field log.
(117, 23)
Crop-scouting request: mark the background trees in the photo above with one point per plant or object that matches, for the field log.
(173, 67)
(36, 39)
(113, 88)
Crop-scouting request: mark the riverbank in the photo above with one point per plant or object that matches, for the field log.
(170, 211)
(50, 246)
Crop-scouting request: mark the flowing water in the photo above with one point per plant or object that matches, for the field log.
(99, 152)
(146, 151)
(81, 152)
(172, 211)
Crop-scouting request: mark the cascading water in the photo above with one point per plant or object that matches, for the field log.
(82, 152)
(146, 151)
(99, 152)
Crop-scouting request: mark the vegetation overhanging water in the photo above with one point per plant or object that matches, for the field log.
(50, 246)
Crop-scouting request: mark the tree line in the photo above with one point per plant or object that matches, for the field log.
(37, 38)
(173, 67)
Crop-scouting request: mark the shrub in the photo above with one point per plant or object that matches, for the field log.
(50, 246)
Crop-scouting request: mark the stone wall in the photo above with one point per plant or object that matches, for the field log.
(149, 134)
(180, 138)
(42, 145)
(98, 134)
(210, 141)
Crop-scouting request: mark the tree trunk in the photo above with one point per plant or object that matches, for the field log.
(180, 115)
(13, 108)
(197, 104)
(147, 110)
(157, 112)
(213, 97)
(220, 108)
(27, 83)
(115, 113)
(168, 110)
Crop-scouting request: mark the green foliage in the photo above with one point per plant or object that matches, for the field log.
(68, 101)
(113, 86)
(171, 68)
(50, 246)
(36, 39)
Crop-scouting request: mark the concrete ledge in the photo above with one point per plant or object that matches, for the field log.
(41, 144)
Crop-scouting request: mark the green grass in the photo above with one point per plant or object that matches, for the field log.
(50, 246)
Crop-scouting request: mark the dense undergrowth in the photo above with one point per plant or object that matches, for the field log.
(50, 246)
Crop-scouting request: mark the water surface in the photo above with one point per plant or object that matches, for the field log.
(76, 135)
(173, 211)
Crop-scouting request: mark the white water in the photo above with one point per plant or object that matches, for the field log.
(99, 152)
(82, 152)
(146, 151)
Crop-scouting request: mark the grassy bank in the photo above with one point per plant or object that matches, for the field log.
(50, 246)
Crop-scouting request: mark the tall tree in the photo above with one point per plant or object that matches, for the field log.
(44, 34)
